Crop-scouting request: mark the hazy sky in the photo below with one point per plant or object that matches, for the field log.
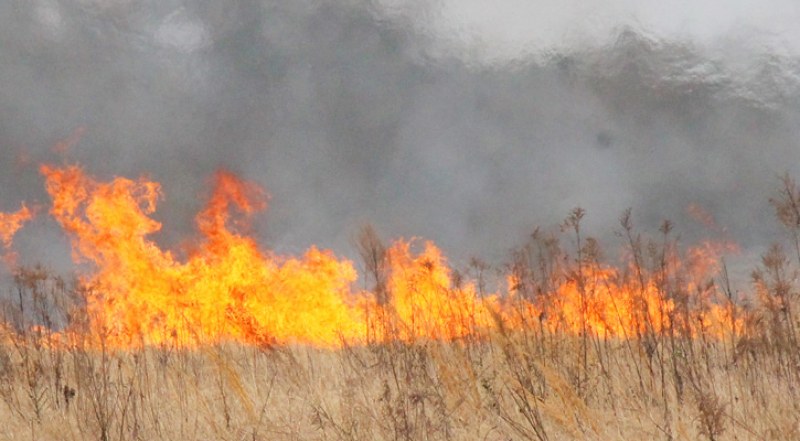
(510, 28)
(460, 122)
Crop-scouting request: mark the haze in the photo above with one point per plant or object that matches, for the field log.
(449, 120)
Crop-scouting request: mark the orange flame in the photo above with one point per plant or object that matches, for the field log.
(609, 306)
(228, 288)
(10, 223)
(423, 302)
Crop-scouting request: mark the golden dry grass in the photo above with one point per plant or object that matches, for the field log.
(496, 388)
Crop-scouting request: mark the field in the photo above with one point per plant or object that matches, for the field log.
(529, 382)
(568, 345)
(525, 385)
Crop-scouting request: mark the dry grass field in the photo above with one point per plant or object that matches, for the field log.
(527, 385)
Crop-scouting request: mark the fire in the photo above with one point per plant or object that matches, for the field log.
(227, 288)
(423, 302)
(10, 223)
(608, 306)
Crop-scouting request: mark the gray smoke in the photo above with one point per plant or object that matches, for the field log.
(351, 112)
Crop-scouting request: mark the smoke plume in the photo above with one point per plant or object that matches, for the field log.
(437, 119)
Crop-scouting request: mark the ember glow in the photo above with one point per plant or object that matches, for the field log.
(229, 288)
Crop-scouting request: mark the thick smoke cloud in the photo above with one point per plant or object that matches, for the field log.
(422, 118)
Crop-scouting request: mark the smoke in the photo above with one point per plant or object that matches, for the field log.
(446, 120)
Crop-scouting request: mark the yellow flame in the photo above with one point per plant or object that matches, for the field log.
(229, 288)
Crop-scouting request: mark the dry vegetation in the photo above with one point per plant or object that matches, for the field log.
(501, 384)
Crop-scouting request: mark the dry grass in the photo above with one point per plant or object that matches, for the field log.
(526, 383)
(505, 388)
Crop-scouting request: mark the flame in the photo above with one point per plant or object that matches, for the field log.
(609, 306)
(423, 302)
(227, 288)
(10, 223)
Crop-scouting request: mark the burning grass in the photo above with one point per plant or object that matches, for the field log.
(233, 342)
